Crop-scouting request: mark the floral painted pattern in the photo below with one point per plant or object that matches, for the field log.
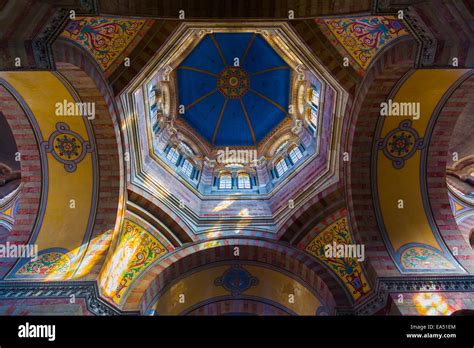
(52, 263)
(106, 38)
(362, 38)
(347, 269)
(418, 258)
(137, 250)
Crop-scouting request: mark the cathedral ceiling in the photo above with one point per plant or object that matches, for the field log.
(237, 89)
(239, 82)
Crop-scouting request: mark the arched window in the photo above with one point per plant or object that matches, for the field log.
(152, 95)
(154, 99)
(172, 155)
(187, 148)
(187, 168)
(315, 95)
(154, 108)
(225, 181)
(243, 181)
(282, 146)
(281, 167)
(314, 104)
(295, 154)
(313, 118)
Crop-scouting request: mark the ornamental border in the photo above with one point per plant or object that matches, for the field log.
(87, 290)
(386, 286)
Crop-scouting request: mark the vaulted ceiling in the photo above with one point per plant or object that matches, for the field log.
(235, 88)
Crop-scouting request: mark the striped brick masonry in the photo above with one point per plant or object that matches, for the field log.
(30, 171)
(439, 157)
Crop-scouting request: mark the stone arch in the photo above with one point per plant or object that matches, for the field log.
(236, 306)
(262, 282)
(389, 68)
(358, 127)
(10, 170)
(451, 134)
(82, 72)
(20, 121)
(308, 216)
(286, 258)
(77, 71)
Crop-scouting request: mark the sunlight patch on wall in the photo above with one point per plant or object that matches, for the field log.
(136, 250)
(432, 304)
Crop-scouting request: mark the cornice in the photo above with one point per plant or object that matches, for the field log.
(386, 286)
(87, 290)
(418, 29)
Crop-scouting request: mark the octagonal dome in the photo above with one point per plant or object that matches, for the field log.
(235, 88)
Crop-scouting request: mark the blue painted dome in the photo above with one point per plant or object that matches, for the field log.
(235, 88)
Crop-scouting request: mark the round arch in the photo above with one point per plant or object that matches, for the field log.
(451, 143)
(286, 258)
(83, 73)
(19, 121)
(384, 74)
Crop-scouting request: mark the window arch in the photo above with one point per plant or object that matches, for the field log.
(155, 100)
(313, 118)
(314, 101)
(315, 94)
(152, 95)
(187, 168)
(172, 155)
(225, 181)
(154, 106)
(282, 146)
(295, 154)
(243, 181)
(281, 167)
(187, 148)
